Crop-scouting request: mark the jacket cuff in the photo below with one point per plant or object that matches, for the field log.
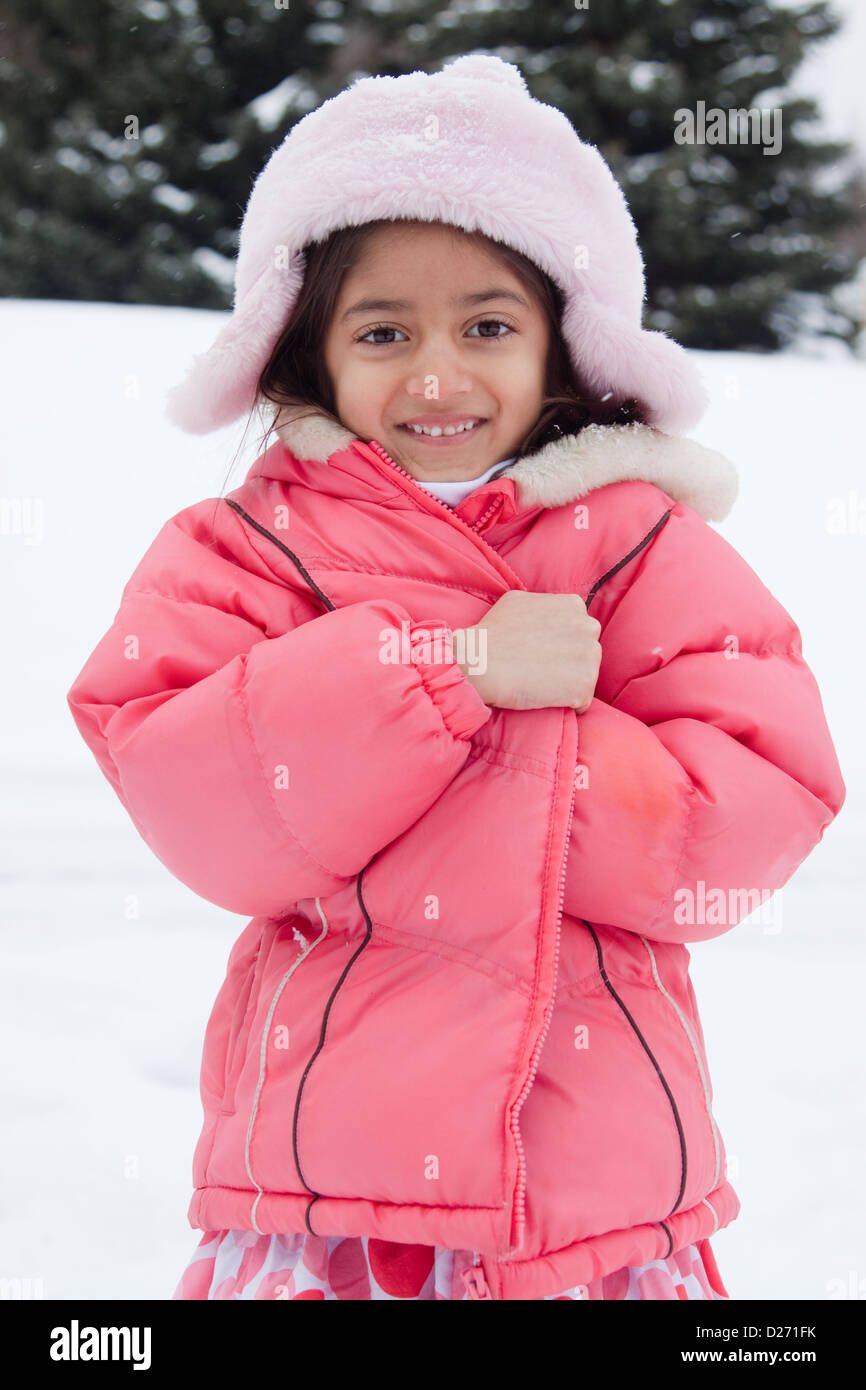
(461, 707)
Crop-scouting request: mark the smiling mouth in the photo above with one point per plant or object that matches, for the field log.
(453, 437)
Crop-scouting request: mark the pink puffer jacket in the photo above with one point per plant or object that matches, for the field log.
(461, 1014)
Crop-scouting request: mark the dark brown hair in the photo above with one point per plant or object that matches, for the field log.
(296, 375)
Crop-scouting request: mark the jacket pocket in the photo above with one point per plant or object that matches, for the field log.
(686, 1061)
(242, 1017)
(603, 1149)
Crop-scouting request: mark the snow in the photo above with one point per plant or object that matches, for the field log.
(112, 965)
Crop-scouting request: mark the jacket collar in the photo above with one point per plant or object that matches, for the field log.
(568, 468)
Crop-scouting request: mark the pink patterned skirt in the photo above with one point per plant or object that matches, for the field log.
(243, 1264)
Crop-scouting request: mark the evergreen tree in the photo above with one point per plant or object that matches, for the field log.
(130, 139)
(132, 131)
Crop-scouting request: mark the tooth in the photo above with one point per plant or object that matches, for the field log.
(434, 431)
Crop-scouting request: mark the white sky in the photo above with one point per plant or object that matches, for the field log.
(834, 75)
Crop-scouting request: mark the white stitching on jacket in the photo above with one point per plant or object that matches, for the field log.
(265, 1034)
(688, 1032)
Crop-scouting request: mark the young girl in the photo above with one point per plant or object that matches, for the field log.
(462, 700)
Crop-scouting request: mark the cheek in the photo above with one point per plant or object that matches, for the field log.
(359, 374)
(350, 383)
(523, 384)
(362, 395)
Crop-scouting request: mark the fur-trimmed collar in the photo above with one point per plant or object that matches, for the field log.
(568, 468)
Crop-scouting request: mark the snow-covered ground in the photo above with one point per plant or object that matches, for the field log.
(110, 965)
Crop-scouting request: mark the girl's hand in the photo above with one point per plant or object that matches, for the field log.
(533, 650)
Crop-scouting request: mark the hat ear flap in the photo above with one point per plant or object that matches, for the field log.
(221, 383)
(615, 357)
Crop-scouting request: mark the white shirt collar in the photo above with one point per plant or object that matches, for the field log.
(453, 492)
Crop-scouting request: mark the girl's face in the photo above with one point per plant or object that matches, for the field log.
(429, 327)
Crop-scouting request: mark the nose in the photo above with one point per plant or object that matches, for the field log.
(439, 375)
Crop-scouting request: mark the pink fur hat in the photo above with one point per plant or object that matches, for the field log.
(467, 146)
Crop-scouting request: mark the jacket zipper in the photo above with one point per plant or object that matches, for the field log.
(520, 1196)
(519, 1218)
(436, 506)
(475, 1282)
(475, 1278)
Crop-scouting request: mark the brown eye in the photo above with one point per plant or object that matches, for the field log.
(378, 328)
(499, 323)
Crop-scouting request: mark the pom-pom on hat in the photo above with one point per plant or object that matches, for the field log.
(467, 146)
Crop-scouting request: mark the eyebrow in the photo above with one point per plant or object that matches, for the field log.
(369, 306)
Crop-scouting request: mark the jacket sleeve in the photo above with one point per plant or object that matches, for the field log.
(264, 750)
(705, 754)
